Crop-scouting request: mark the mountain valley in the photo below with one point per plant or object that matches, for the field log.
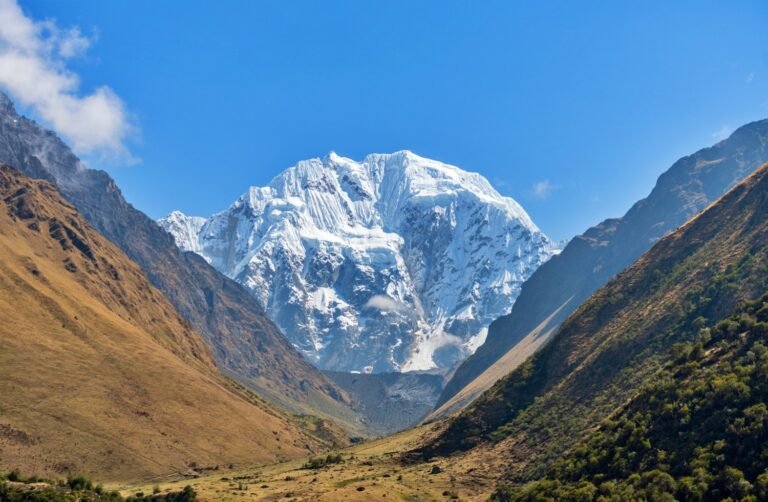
(630, 366)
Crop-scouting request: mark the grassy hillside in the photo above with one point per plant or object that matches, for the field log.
(590, 260)
(15, 487)
(98, 372)
(243, 341)
(697, 430)
(621, 336)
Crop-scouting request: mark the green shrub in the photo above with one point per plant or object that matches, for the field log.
(79, 483)
(319, 463)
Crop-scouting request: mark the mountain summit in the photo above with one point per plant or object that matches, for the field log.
(396, 262)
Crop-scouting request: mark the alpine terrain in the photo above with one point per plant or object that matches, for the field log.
(394, 263)
(653, 389)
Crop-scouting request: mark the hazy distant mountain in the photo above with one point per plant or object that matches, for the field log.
(391, 402)
(394, 263)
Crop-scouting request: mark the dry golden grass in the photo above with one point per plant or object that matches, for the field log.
(370, 471)
(98, 372)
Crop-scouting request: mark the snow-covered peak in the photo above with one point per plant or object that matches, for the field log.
(184, 229)
(333, 158)
(6, 105)
(389, 181)
(431, 178)
(395, 262)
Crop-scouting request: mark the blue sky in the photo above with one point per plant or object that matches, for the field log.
(572, 108)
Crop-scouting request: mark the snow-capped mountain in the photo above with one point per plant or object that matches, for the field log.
(394, 263)
(185, 230)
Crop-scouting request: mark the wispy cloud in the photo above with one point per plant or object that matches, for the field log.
(501, 184)
(722, 133)
(384, 303)
(750, 77)
(543, 189)
(33, 69)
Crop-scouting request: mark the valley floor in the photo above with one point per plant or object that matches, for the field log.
(370, 471)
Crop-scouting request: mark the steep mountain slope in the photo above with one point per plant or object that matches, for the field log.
(244, 342)
(617, 340)
(394, 263)
(696, 431)
(98, 372)
(559, 286)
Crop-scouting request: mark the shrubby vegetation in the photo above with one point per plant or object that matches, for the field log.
(697, 431)
(17, 488)
(319, 463)
(186, 495)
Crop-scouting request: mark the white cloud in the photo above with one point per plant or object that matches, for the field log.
(33, 69)
(750, 77)
(383, 302)
(501, 184)
(722, 133)
(543, 189)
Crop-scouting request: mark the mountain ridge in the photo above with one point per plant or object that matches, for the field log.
(246, 345)
(617, 340)
(590, 260)
(705, 410)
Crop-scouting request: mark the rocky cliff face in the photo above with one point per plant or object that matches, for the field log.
(394, 263)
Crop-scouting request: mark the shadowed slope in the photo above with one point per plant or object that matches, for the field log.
(391, 402)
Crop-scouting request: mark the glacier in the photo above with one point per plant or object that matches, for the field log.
(393, 263)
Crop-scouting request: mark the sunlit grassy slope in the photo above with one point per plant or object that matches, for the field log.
(98, 372)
